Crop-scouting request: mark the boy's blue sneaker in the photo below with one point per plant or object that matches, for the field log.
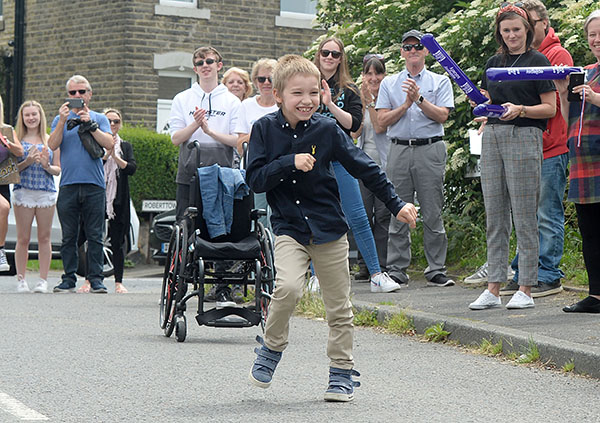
(341, 386)
(98, 288)
(264, 365)
(64, 286)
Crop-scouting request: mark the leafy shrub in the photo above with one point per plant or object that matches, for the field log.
(156, 159)
(465, 30)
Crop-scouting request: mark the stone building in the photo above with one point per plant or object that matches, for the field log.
(137, 53)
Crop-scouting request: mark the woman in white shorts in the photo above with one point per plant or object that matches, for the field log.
(35, 195)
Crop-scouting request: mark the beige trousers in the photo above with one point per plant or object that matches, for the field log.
(330, 261)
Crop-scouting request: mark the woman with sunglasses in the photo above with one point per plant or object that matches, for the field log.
(341, 101)
(254, 108)
(372, 139)
(583, 119)
(511, 158)
(119, 165)
(35, 195)
(237, 82)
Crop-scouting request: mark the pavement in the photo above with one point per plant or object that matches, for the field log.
(560, 337)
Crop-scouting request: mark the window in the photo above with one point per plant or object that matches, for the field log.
(175, 74)
(299, 6)
(296, 13)
(181, 8)
(179, 3)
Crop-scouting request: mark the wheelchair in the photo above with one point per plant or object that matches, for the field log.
(242, 257)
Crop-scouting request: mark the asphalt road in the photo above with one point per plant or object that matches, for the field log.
(103, 358)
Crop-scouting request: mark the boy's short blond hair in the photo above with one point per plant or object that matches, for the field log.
(291, 65)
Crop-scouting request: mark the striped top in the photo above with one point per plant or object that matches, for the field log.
(34, 176)
(584, 185)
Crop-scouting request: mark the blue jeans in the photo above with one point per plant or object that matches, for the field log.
(354, 209)
(551, 219)
(85, 203)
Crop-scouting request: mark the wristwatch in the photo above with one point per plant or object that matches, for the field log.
(371, 104)
(523, 112)
(420, 100)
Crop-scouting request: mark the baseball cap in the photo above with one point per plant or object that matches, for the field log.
(412, 33)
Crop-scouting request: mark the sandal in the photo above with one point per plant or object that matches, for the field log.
(120, 289)
(85, 288)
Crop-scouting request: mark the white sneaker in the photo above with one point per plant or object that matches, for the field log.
(520, 300)
(22, 286)
(41, 287)
(4, 266)
(383, 283)
(485, 300)
(313, 284)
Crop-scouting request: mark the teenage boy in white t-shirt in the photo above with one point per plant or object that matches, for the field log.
(206, 113)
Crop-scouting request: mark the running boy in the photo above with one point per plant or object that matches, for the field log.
(290, 159)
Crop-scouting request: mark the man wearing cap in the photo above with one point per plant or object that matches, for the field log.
(414, 104)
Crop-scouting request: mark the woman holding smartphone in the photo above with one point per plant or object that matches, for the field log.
(583, 118)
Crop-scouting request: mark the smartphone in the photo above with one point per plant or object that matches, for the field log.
(575, 79)
(75, 103)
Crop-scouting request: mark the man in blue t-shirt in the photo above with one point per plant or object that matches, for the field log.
(81, 197)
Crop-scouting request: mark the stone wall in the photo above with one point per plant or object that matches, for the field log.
(113, 43)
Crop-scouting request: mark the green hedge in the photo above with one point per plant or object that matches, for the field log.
(156, 159)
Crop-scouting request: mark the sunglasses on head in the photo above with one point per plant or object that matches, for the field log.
(262, 79)
(334, 54)
(114, 121)
(513, 7)
(73, 92)
(373, 56)
(409, 47)
(507, 3)
(208, 61)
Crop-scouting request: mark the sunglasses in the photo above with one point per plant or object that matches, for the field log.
(334, 54)
(208, 61)
(517, 8)
(73, 92)
(114, 121)
(373, 56)
(262, 79)
(409, 47)
(506, 3)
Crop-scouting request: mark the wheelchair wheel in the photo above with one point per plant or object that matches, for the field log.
(267, 273)
(180, 328)
(173, 280)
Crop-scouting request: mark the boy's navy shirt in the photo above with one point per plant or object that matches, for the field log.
(306, 205)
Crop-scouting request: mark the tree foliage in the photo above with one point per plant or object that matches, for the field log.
(466, 31)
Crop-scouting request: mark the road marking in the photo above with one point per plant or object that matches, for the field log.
(18, 409)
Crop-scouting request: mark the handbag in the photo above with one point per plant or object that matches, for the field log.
(9, 172)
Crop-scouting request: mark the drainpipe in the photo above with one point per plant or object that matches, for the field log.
(19, 57)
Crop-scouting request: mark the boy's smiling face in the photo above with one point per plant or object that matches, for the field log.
(299, 99)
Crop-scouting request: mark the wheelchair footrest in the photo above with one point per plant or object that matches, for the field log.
(238, 317)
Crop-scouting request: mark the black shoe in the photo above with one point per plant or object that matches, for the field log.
(362, 275)
(543, 289)
(587, 305)
(224, 298)
(440, 280)
(402, 283)
(211, 295)
(510, 288)
(98, 288)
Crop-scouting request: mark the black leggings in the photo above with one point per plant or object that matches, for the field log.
(589, 227)
(116, 232)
